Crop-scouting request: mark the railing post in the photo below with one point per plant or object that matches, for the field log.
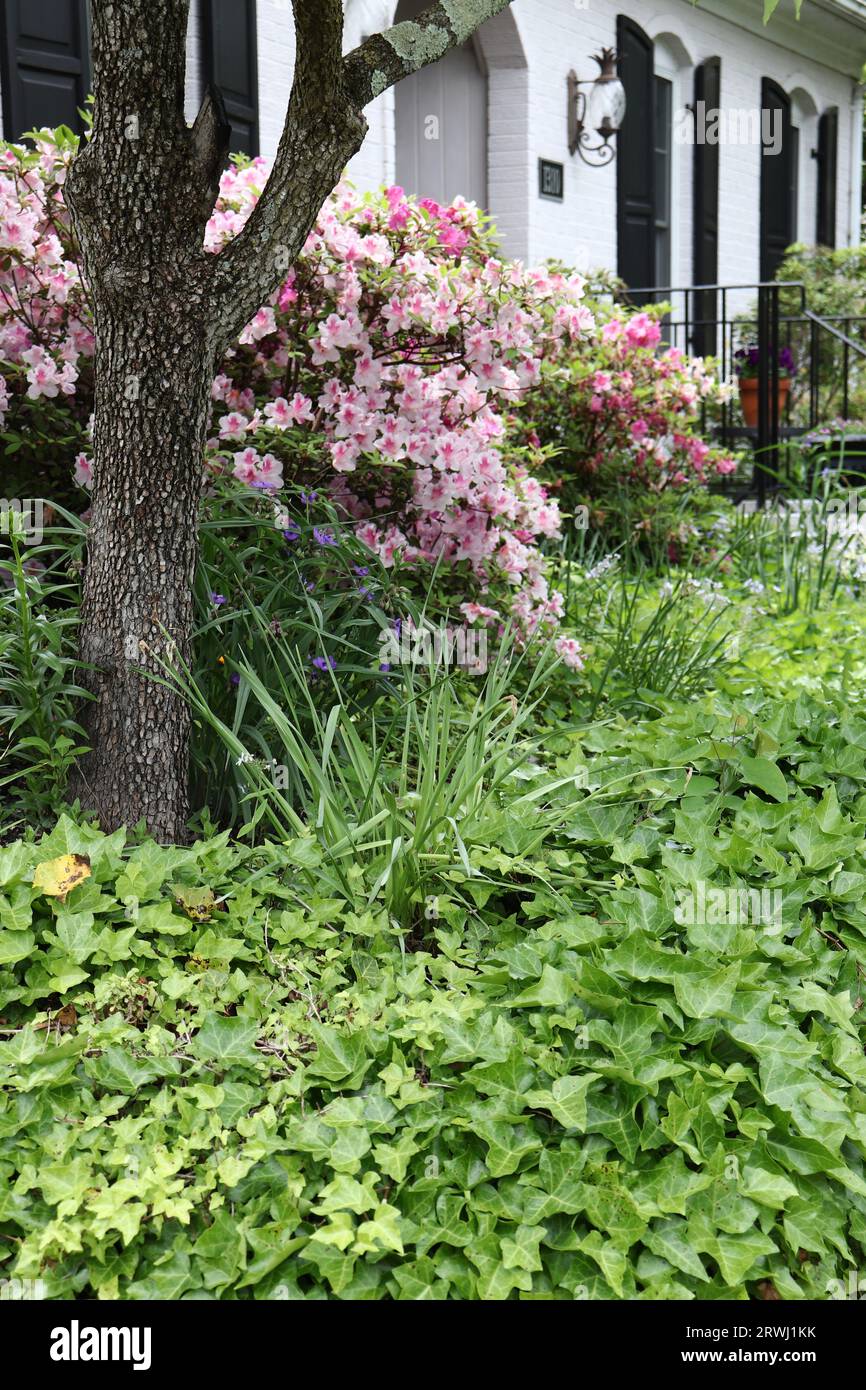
(764, 422)
(686, 326)
(775, 349)
(814, 374)
(727, 360)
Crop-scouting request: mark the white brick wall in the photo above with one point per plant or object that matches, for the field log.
(558, 35)
(528, 51)
(817, 61)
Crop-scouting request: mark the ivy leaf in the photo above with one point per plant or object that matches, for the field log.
(15, 945)
(56, 878)
(226, 1041)
(706, 993)
(552, 990)
(761, 773)
(566, 1100)
(337, 1054)
(197, 903)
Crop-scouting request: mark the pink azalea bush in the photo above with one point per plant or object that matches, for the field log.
(382, 369)
(44, 322)
(403, 342)
(46, 338)
(630, 411)
(401, 367)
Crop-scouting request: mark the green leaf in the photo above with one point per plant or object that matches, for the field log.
(15, 945)
(566, 1100)
(706, 993)
(761, 773)
(226, 1041)
(338, 1054)
(552, 990)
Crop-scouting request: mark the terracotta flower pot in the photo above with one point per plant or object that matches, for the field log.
(749, 399)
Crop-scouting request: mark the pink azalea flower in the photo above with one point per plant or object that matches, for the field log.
(246, 466)
(570, 652)
(83, 470)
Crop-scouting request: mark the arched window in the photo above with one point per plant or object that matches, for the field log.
(652, 169)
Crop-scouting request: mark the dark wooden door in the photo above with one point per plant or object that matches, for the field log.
(441, 123)
(828, 166)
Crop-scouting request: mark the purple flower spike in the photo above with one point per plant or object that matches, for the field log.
(323, 537)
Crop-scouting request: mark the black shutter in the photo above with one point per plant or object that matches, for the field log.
(778, 181)
(45, 63)
(828, 164)
(636, 212)
(708, 90)
(229, 34)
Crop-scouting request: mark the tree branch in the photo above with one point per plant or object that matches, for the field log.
(324, 127)
(210, 139)
(322, 132)
(139, 144)
(318, 45)
(386, 58)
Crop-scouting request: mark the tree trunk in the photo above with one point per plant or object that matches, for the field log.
(149, 443)
(140, 193)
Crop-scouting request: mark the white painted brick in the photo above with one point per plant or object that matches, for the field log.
(527, 118)
(820, 57)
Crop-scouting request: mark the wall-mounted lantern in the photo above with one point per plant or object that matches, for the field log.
(603, 111)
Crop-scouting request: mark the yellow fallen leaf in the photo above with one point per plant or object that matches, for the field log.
(197, 903)
(56, 878)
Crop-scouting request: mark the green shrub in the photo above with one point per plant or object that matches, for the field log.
(39, 690)
(571, 1089)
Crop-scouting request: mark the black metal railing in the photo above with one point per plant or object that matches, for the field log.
(830, 353)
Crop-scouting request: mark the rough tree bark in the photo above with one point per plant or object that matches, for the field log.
(140, 193)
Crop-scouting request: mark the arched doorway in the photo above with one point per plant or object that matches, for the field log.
(441, 124)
